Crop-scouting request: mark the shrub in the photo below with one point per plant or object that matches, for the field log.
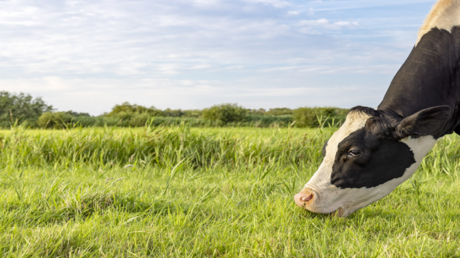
(279, 112)
(56, 120)
(269, 121)
(139, 120)
(311, 117)
(225, 113)
(127, 108)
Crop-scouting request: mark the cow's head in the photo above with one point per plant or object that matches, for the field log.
(369, 156)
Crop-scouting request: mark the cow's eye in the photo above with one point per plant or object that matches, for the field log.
(355, 153)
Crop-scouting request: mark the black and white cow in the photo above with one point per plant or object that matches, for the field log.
(375, 150)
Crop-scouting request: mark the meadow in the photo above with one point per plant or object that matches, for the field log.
(207, 192)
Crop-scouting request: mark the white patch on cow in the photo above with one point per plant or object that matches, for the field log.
(329, 198)
(444, 15)
(354, 121)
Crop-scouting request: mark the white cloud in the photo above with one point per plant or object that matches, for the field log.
(365, 4)
(327, 69)
(346, 23)
(206, 2)
(275, 3)
(308, 25)
(310, 11)
(293, 13)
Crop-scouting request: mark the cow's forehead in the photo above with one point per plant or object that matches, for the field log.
(355, 120)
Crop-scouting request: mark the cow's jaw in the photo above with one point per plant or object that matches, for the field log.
(328, 198)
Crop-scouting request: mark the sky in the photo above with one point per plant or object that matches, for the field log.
(89, 55)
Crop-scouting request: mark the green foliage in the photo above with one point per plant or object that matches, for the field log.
(35, 113)
(57, 120)
(193, 113)
(76, 114)
(185, 192)
(126, 109)
(257, 112)
(225, 113)
(129, 119)
(279, 112)
(21, 107)
(312, 117)
(269, 121)
(155, 144)
(271, 112)
(173, 113)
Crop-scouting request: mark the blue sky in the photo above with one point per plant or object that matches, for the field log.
(88, 55)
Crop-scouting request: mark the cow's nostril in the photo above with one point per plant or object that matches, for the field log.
(306, 198)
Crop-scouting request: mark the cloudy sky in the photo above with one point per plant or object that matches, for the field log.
(88, 55)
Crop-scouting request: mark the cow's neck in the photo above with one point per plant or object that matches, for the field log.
(429, 77)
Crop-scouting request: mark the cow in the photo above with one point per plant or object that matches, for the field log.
(375, 150)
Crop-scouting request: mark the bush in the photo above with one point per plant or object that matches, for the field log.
(56, 120)
(139, 120)
(225, 113)
(127, 108)
(279, 112)
(311, 117)
(269, 121)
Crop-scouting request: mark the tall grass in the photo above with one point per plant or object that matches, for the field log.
(159, 146)
(189, 192)
(139, 120)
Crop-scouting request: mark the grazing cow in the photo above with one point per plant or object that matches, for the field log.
(375, 150)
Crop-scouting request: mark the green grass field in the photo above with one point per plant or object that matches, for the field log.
(181, 192)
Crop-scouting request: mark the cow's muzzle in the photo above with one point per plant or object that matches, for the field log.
(309, 199)
(305, 198)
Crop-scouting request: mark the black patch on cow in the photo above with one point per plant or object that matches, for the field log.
(365, 110)
(429, 121)
(381, 160)
(457, 129)
(417, 103)
(430, 77)
(324, 148)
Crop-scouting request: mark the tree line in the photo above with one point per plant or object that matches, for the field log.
(32, 112)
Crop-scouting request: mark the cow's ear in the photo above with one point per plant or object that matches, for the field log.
(425, 122)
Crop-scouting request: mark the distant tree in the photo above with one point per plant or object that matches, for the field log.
(126, 107)
(57, 120)
(258, 112)
(173, 112)
(76, 114)
(195, 113)
(21, 107)
(225, 113)
(279, 111)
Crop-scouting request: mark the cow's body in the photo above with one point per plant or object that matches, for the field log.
(429, 77)
(376, 150)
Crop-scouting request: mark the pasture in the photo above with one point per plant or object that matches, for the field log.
(203, 192)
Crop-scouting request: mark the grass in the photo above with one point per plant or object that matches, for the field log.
(182, 192)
